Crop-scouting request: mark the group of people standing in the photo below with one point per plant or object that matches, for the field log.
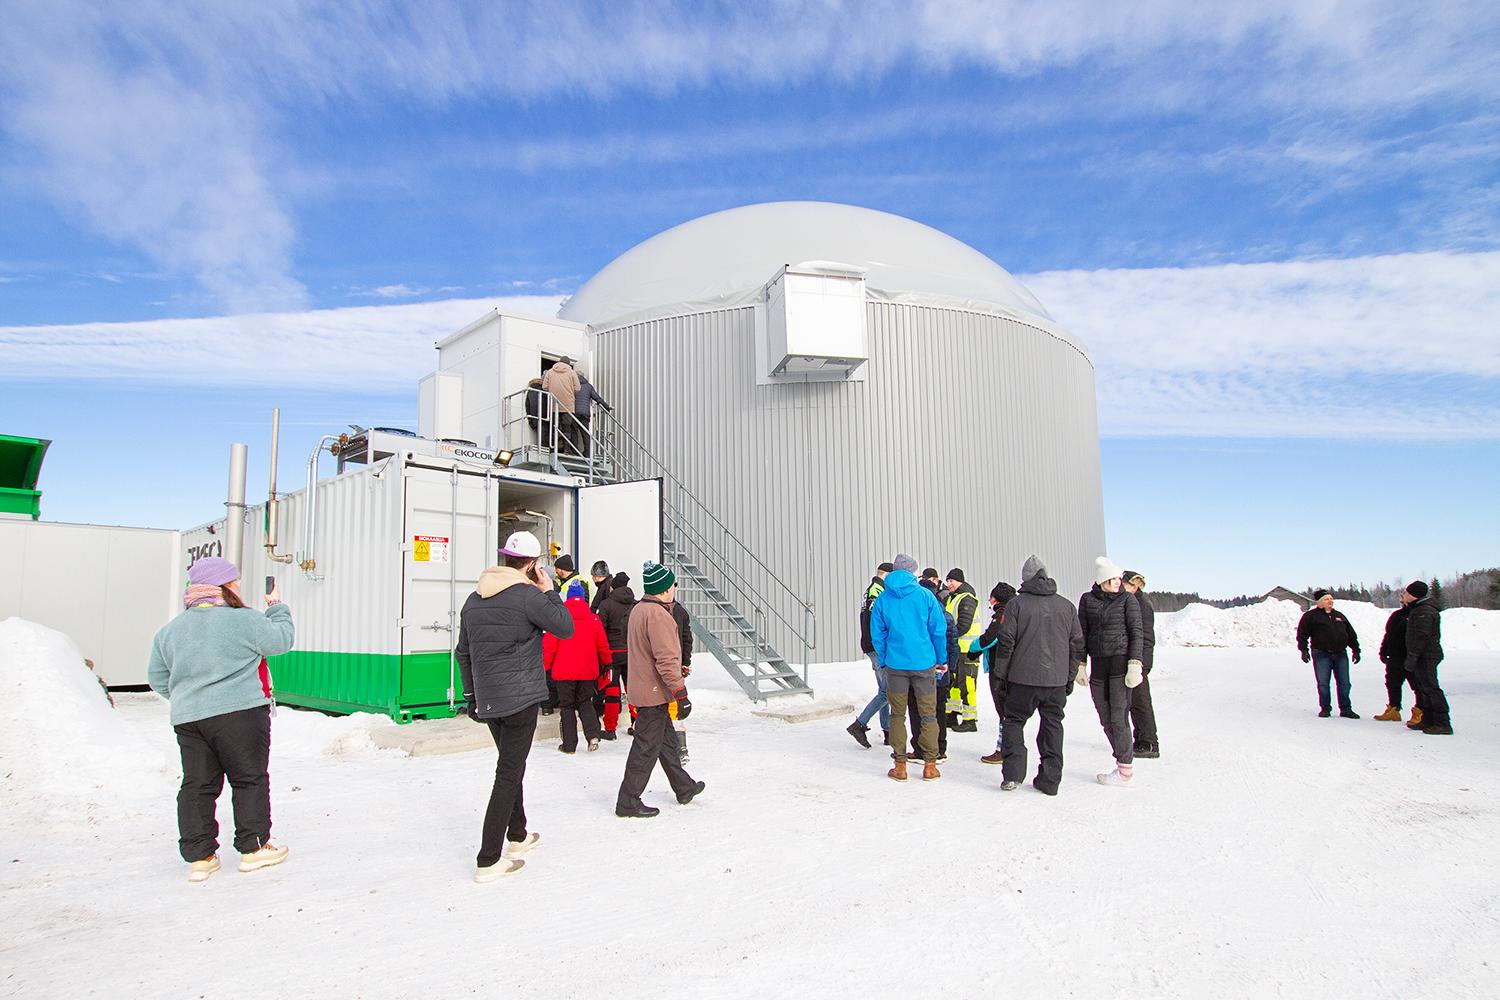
(1411, 650)
(209, 662)
(1036, 648)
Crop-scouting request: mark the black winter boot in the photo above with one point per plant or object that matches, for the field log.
(1148, 749)
(859, 733)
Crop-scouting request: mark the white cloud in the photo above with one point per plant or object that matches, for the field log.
(159, 124)
(398, 291)
(371, 348)
(1393, 346)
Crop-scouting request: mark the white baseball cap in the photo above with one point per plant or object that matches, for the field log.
(522, 544)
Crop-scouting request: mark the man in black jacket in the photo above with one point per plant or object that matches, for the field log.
(1142, 711)
(499, 656)
(878, 704)
(1039, 649)
(1424, 651)
(1393, 655)
(1323, 635)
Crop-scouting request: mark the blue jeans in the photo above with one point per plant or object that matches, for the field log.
(1335, 665)
(879, 702)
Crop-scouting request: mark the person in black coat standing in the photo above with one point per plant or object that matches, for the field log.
(1424, 651)
(1323, 635)
(1142, 711)
(1111, 622)
(614, 614)
(1393, 655)
(499, 656)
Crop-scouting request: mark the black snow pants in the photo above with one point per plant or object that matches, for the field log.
(655, 740)
(1112, 702)
(1430, 697)
(1142, 712)
(236, 745)
(1395, 678)
(575, 700)
(1021, 700)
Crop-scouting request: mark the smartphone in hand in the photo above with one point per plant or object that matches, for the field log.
(270, 584)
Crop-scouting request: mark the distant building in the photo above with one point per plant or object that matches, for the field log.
(1284, 594)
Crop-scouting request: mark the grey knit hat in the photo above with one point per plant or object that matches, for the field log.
(904, 561)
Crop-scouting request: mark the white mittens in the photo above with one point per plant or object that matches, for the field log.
(1135, 672)
(1082, 678)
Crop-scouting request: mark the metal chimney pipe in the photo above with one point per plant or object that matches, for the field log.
(234, 534)
(273, 505)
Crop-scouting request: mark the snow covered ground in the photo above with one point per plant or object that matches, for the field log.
(1268, 853)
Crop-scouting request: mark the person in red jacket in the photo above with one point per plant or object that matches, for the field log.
(574, 663)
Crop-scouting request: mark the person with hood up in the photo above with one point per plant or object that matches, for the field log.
(1424, 651)
(1000, 595)
(1040, 644)
(860, 727)
(499, 656)
(574, 663)
(614, 615)
(962, 604)
(655, 680)
(1323, 636)
(1142, 710)
(561, 380)
(1111, 622)
(1393, 655)
(910, 633)
(206, 662)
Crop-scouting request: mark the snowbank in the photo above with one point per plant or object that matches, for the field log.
(310, 734)
(1274, 623)
(62, 746)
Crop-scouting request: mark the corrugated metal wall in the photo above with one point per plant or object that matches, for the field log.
(973, 441)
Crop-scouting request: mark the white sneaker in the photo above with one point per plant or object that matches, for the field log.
(593, 745)
(498, 870)
(516, 848)
(268, 855)
(1115, 779)
(201, 870)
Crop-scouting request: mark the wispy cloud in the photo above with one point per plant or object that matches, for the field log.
(398, 291)
(161, 126)
(1406, 345)
(371, 348)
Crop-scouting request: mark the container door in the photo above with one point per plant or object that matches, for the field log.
(620, 523)
(447, 523)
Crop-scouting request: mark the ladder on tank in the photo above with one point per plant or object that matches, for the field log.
(734, 601)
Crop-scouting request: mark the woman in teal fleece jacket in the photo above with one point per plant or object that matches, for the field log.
(206, 662)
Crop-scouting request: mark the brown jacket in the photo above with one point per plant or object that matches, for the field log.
(562, 381)
(655, 654)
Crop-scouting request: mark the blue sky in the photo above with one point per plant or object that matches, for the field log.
(1278, 230)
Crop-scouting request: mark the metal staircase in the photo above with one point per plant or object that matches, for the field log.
(734, 601)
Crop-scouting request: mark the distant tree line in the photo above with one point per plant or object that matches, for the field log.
(1477, 589)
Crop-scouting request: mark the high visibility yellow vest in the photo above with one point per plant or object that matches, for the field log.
(976, 627)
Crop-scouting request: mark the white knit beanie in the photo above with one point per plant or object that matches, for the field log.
(1106, 570)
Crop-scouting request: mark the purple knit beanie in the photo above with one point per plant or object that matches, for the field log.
(212, 572)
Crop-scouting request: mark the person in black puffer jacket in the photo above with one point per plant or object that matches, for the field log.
(1393, 655)
(1424, 651)
(614, 613)
(499, 656)
(1111, 622)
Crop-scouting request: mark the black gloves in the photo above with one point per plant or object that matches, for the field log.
(684, 707)
(471, 707)
(1306, 656)
(1356, 656)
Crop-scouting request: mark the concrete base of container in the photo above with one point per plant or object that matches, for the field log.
(434, 737)
(804, 710)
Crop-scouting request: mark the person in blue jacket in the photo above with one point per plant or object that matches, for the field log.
(910, 633)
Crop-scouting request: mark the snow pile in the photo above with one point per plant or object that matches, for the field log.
(1274, 624)
(62, 746)
(311, 734)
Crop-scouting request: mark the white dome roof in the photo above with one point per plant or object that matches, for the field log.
(725, 258)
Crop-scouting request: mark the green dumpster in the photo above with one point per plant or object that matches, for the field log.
(20, 465)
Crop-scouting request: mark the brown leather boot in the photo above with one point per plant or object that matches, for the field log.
(930, 771)
(1391, 714)
(1416, 719)
(898, 771)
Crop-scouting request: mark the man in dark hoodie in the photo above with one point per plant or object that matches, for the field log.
(1000, 596)
(1393, 655)
(614, 614)
(499, 656)
(600, 575)
(1424, 651)
(1039, 649)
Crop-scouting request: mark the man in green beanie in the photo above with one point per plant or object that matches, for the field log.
(655, 666)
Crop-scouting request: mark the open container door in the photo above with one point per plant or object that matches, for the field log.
(620, 523)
